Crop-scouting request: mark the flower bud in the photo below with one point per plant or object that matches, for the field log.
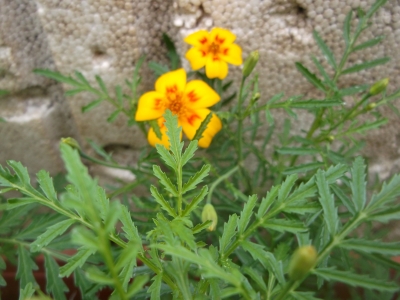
(371, 106)
(209, 214)
(71, 142)
(302, 261)
(379, 86)
(250, 63)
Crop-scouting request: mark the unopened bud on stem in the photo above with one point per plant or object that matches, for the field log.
(302, 261)
(379, 86)
(209, 214)
(250, 63)
(71, 142)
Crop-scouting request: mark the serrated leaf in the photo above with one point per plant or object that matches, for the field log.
(160, 200)
(57, 76)
(297, 151)
(158, 69)
(21, 172)
(371, 246)
(84, 237)
(195, 202)
(76, 261)
(137, 285)
(358, 184)
(91, 105)
(325, 50)
(366, 65)
(128, 226)
(26, 265)
(189, 152)
(166, 156)
(282, 225)
(256, 277)
(126, 273)
(286, 187)
(54, 284)
(17, 202)
(113, 214)
(327, 203)
(173, 133)
(172, 53)
(335, 172)
(386, 215)
(203, 127)
(246, 214)
(51, 233)
(267, 201)
(311, 77)
(389, 192)
(343, 197)
(73, 92)
(196, 179)
(94, 274)
(201, 226)
(303, 296)
(47, 186)
(165, 181)
(356, 280)
(82, 78)
(310, 207)
(156, 128)
(154, 288)
(228, 233)
(303, 168)
(27, 292)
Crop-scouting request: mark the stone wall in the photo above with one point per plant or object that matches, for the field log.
(107, 37)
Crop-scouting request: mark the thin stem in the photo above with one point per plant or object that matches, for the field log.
(288, 288)
(218, 181)
(179, 183)
(240, 124)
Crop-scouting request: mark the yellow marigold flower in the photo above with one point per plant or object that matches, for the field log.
(214, 50)
(189, 101)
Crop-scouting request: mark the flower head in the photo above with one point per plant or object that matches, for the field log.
(214, 50)
(189, 101)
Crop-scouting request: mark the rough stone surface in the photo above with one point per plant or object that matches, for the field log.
(107, 37)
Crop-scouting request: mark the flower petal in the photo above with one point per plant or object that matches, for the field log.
(198, 39)
(199, 94)
(216, 67)
(197, 58)
(150, 106)
(222, 36)
(232, 54)
(174, 80)
(152, 137)
(192, 122)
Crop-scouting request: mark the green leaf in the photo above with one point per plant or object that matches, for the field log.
(256, 277)
(196, 179)
(375, 7)
(154, 288)
(325, 50)
(51, 233)
(203, 127)
(17, 202)
(21, 172)
(297, 151)
(119, 95)
(27, 292)
(82, 78)
(166, 156)
(321, 69)
(353, 90)
(76, 261)
(25, 267)
(165, 181)
(267, 201)
(91, 105)
(156, 128)
(201, 226)
(303, 208)
(158, 69)
(54, 284)
(366, 65)
(172, 53)
(246, 214)
(228, 233)
(356, 280)
(303, 296)
(311, 77)
(282, 225)
(101, 84)
(303, 168)
(189, 152)
(113, 215)
(335, 172)
(286, 187)
(160, 200)
(369, 43)
(310, 104)
(127, 262)
(113, 116)
(358, 184)
(137, 285)
(3, 93)
(389, 192)
(2, 120)
(57, 76)
(46, 184)
(75, 91)
(343, 197)
(85, 237)
(371, 246)
(94, 274)
(195, 202)
(128, 226)
(386, 215)
(327, 203)
(173, 133)
(346, 27)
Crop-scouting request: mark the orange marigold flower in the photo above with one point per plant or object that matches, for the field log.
(214, 50)
(189, 101)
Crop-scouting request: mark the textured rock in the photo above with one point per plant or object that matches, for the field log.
(107, 38)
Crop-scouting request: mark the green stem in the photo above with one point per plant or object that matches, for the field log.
(288, 288)
(240, 124)
(218, 181)
(179, 182)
